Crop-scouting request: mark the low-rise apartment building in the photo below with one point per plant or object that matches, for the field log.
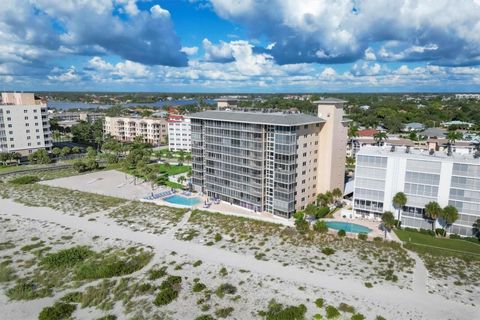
(152, 130)
(275, 162)
(179, 133)
(24, 125)
(423, 176)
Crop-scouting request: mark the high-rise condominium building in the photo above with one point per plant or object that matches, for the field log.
(179, 133)
(152, 130)
(24, 126)
(269, 161)
(423, 176)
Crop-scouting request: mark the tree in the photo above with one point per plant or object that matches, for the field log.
(311, 210)
(39, 157)
(337, 194)
(181, 179)
(433, 211)
(302, 226)
(65, 151)
(449, 215)
(476, 229)
(452, 137)
(380, 137)
(75, 150)
(320, 226)
(388, 220)
(91, 153)
(56, 152)
(4, 157)
(16, 156)
(352, 131)
(399, 201)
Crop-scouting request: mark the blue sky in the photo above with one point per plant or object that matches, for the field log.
(240, 45)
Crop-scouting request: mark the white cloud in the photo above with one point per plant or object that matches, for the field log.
(221, 52)
(69, 75)
(190, 51)
(159, 12)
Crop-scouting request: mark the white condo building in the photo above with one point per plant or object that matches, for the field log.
(423, 176)
(24, 125)
(179, 133)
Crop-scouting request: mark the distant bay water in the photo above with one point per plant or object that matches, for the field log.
(159, 104)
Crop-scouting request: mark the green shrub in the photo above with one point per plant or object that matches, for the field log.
(302, 226)
(32, 246)
(111, 266)
(165, 296)
(341, 233)
(108, 317)
(155, 274)
(319, 303)
(368, 285)
(380, 318)
(322, 212)
(197, 263)
(58, 311)
(362, 236)
(328, 251)
(358, 316)
(218, 237)
(332, 312)
(25, 180)
(320, 226)
(66, 257)
(197, 287)
(171, 281)
(6, 273)
(317, 317)
(224, 312)
(298, 215)
(205, 317)
(27, 290)
(277, 311)
(6, 245)
(72, 297)
(378, 239)
(440, 232)
(225, 288)
(223, 271)
(346, 308)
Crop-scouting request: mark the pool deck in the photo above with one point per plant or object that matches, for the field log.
(369, 223)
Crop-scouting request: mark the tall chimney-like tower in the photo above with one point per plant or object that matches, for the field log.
(332, 145)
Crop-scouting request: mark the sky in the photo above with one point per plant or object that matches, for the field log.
(240, 45)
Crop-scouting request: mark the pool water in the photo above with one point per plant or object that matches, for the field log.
(348, 227)
(183, 201)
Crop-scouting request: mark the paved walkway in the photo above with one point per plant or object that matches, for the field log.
(436, 307)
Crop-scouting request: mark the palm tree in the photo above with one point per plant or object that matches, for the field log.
(380, 137)
(433, 211)
(399, 201)
(449, 215)
(352, 131)
(452, 137)
(337, 194)
(388, 220)
(476, 229)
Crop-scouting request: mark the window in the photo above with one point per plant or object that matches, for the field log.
(25, 111)
(304, 145)
(9, 125)
(8, 111)
(305, 126)
(9, 119)
(12, 146)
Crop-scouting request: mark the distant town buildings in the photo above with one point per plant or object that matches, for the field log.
(179, 133)
(269, 161)
(69, 118)
(24, 125)
(457, 123)
(152, 130)
(467, 96)
(226, 103)
(413, 127)
(424, 176)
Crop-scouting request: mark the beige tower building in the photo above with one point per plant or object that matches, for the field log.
(332, 145)
(152, 130)
(276, 162)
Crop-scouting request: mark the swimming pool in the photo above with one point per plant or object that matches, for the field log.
(348, 227)
(183, 201)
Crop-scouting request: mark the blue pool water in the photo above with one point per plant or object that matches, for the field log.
(348, 227)
(175, 199)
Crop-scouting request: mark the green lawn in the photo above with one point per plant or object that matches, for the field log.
(440, 243)
(171, 170)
